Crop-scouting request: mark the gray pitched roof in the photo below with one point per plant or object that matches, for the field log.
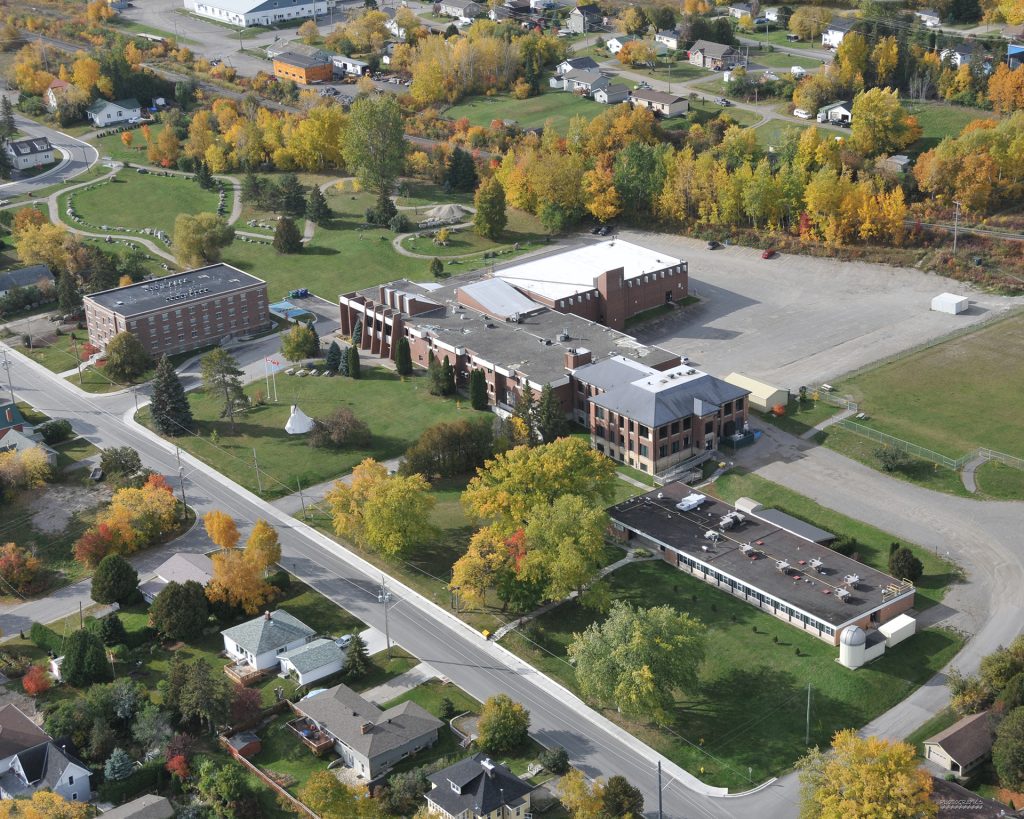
(715, 50)
(484, 786)
(149, 806)
(301, 60)
(182, 567)
(26, 276)
(18, 732)
(842, 24)
(32, 145)
(655, 404)
(582, 63)
(128, 103)
(314, 655)
(44, 764)
(591, 78)
(362, 725)
(967, 739)
(650, 95)
(587, 10)
(268, 632)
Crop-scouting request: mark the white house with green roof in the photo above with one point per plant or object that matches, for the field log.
(313, 661)
(119, 112)
(257, 645)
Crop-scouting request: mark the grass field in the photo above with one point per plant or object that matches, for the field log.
(800, 416)
(777, 59)
(749, 710)
(772, 132)
(134, 200)
(523, 230)
(396, 411)
(56, 357)
(874, 543)
(705, 108)
(938, 120)
(778, 37)
(678, 72)
(135, 153)
(912, 398)
(557, 106)
(132, 27)
(997, 480)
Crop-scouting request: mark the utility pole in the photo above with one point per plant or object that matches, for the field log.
(659, 790)
(259, 481)
(7, 366)
(956, 224)
(181, 483)
(384, 597)
(302, 500)
(78, 358)
(807, 730)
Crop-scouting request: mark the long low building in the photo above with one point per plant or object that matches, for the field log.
(791, 577)
(245, 13)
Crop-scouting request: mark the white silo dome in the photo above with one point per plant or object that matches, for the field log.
(853, 636)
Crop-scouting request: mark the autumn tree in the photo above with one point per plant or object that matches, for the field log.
(19, 568)
(221, 529)
(490, 218)
(564, 545)
(864, 778)
(387, 513)
(881, 124)
(636, 53)
(36, 681)
(634, 20)
(238, 582)
(223, 377)
(263, 548)
(199, 239)
(808, 22)
(886, 57)
(581, 799)
(617, 662)
(503, 726)
(46, 804)
(126, 358)
(1006, 89)
(309, 33)
(374, 143)
(603, 200)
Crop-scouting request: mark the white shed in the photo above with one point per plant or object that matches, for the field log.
(898, 629)
(762, 396)
(313, 661)
(950, 303)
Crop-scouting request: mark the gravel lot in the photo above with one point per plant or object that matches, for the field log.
(796, 320)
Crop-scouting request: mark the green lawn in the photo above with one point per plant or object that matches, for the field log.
(56, 357)
(705, 108)
(523, 230)
(874, 543)
(800, 415)
(749, 711)
(773, 132)
(319, 613)
(396, 411)
(77, 449)
(778, 59)
(96, 381)
(557, 106)
(284, 755)
(911, 397)
(121, 24)
(679, 72)
(997, 480)
(112, 146)
(778, 37)
(382, 669)
(418, 192)
(941, 119)
(132, 200)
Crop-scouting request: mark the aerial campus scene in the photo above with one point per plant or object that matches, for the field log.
(507, 410)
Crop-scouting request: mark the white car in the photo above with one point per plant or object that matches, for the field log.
(797, 71)
(800, 112)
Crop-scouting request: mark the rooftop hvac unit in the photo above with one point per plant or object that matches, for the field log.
(852, 580)
(726, 522)
(781, 565)
(746, 548)
(842, 594)
(816, 564)
(712, 535)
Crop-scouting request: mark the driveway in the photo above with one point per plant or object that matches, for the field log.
(796, 320)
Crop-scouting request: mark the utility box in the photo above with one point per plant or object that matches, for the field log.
(950, 303)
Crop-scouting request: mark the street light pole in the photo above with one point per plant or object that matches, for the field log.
(259, 481)
(181, 483)
(384, 597)
(956, 224)
(7, 366)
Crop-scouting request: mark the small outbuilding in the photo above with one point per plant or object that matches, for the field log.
(245, 743)
(898, 629)
(963, 746)
(950, 303)
(762, 396)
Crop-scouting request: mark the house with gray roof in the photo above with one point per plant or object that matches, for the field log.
(257, 645)
(836, 30)
(149, 806)
(582, 63)
(35, 275)
(369, 740)
(17, 733)
(29, 153)
(477, 787)
(178, 568)
(46, 767)
(119, 112)
(313, 661)
(962, 747)
(579, 81)
(714, 56)
(585, 18)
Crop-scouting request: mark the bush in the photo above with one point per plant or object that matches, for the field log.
(399, 223)
(890, 459)
(147, 779)
(55, 431)
(36, 681)
(903, 564)
(555, 760)
(280, 580)
(45, 638)
(340, 429)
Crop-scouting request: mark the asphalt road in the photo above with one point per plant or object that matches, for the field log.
(78, 156)
(481, 668)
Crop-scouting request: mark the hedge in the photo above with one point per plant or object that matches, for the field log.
(150, 778)
(46, 638)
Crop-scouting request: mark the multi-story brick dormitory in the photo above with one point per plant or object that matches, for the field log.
(485, 323)
(181, 312)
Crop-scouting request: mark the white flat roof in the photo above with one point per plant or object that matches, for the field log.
(567, 274)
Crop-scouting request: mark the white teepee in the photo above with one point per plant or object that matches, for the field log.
(298, 422)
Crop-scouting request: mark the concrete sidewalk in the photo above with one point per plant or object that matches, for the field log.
(385, 692)
(292, 504)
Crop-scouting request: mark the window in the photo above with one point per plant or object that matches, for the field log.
(642, 431)
(663, 432)
(643, 450)
(739, 404)
(686, 423)
(727, 408)
(662, 451)
(675, 427)
(709, 427)
(71, 780)
(599, 412)
(675, 447)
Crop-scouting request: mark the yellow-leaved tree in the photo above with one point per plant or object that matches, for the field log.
(263, 548)
(221, 528)
(238, 582)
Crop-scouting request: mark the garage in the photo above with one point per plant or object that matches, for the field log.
(762, 396)
(950, 303)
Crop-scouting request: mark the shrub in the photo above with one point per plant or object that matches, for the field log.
(280, 580)
(779, 410)
(55, 431)
(147, 779)
(45, 638)
(891, 459)
(36, 681)
(399, 223)
(340, 429)
(555, 760)
(903, 564)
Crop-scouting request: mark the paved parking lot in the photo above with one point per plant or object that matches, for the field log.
(796, 320)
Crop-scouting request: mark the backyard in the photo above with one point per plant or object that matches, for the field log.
(397, 411)
(779, 59)
(939, 119)
(774, 131)
(557, 106)
(746, 722)
(134, 201)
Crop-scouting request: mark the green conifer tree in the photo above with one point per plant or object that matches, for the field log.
(169, 408)
(403, 357)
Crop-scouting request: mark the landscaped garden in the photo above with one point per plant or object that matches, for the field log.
(397, 410)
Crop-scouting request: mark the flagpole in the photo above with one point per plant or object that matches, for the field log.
(266, 374)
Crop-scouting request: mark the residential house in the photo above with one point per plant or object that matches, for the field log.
(35, 275)
(303, 69)
(387, 53)
(511, 10)
(392, 26)
(313, 661)
(29, 153)
(772, 15)
(962, 747)
(954, 801)
(15, 441)
(661, 103)
(178, 568)
(149, 806)
(672, 39)
(616, 44)
(834, 32)
(584, 82)
(256, 646)
(611, 94)
(17, 733)
(1014, 56)
(55, 91)
(930, 17)
(585, 18)
(119, 112)
(837, 113)
(581, 63)
(465, 9)
(739, 10)
(46, 767)
(965, 53)
(713, 56)
(368, 739)
(11, 420)
(475, 788)
(349, 66)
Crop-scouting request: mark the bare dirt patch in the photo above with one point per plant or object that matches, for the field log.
(53, 508)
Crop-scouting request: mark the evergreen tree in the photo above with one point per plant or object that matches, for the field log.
(114, 580)
(112, 631)
(436, 268)
(69, 297)
(435, 384)
(5, 164)
(118, 766)
(526, 411)
(357, 332)
(203, 175)
(333, 361)
(169, 408)
(357, 658)
(478, 389)
(312, 328)
(343, 362)
(447, 378)
(7, 125)
(460, 171)
(179, 612)
(490, 217)
(253, 189)
(353, 362)
(550, 418)
(403, 357)
(287, 238)
(85, 661)
(317, 209)
(291, 196)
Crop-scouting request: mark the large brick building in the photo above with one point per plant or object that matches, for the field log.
(607, 282)
(303, 68)
(181, 312)
(487, 324)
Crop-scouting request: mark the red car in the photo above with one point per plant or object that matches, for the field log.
(769, 253)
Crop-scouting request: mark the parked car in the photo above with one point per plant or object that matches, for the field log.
(770, 76)
(596, 230)
(141, 170)
(604, 231)
(769, 253)
(723, 102)
(800, 112)
(713, 245)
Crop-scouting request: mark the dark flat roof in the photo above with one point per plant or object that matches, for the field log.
(166, 292)
(801, 587)
(301, 60)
